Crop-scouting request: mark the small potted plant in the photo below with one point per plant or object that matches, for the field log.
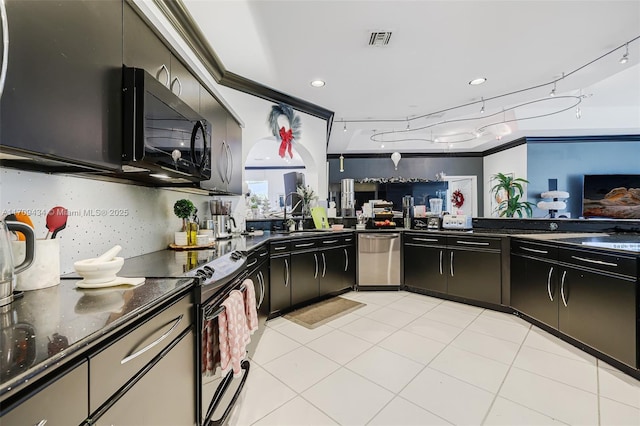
(184, 209)
(308, 195)
(507, 192)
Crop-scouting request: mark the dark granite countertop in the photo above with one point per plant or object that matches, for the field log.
(46, 328)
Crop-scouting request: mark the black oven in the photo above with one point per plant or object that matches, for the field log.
(164, 139)
(217, 393)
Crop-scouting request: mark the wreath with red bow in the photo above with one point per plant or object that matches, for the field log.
(457, 198)
(286, 137)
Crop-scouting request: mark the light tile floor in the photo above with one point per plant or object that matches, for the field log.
(409, 359)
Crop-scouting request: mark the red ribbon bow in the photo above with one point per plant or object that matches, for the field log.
(285, 145)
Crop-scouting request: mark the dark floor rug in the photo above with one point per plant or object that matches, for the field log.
(320, 313)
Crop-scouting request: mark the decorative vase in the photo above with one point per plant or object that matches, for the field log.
(180, 238)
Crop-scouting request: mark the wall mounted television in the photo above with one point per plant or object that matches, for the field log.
(611, 196)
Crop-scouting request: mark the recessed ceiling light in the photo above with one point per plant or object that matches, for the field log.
(317, 83)
(477, 81)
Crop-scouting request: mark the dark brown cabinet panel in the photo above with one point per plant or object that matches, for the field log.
(184, 84)
(216, 115)
(62, 97)
(424, 267)
(599, 310)
(305, 272)
(279, 282)
(474, 274)
(534, 289)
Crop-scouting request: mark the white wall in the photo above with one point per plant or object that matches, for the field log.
(102, 214)
(512, 160)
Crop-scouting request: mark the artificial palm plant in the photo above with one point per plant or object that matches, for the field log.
(508, 192)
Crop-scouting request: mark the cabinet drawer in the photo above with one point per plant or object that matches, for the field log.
(474, 242)
(528, 248)
(279, 247)
(64, 402)
(256, 256)
(604, 262)
(331, 242)
(425, 239)
(304, 244)
(117, 363)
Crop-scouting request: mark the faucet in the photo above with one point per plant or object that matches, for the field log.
(284, 220)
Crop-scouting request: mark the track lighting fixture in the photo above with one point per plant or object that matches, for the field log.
(625, 57)
(344, 129)
(341, 163)
(578, 113)
(553, 91)
(408, 126)
(482, 109)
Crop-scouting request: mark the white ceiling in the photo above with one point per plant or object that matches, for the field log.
(435, 49)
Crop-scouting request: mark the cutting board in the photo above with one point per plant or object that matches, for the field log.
(319, 215)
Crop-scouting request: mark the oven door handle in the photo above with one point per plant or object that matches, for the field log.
(217, 397)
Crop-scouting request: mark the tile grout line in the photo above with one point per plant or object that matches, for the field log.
(504, 379)
(598, 390)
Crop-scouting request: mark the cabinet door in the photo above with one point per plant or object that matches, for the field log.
(599, 310)
(184, 84)
(164, 396)
(63, 402)
(349, 273)
(332, 269)
(279, 283)
(62, 95)
(534, 289)
(305, 272)
(234, 149)
(215, 114)
(143, 49)
(424, 268)
(474, 275)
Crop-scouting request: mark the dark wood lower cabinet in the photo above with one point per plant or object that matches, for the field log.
(424, 268)
(534, 289)
(599, 310)
(305, 272)
(279, 283)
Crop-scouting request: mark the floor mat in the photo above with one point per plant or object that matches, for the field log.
(320, 313)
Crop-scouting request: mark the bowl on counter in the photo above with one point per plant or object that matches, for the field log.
(98, 272)
(337, 227)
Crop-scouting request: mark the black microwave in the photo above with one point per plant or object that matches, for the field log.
(164, 140)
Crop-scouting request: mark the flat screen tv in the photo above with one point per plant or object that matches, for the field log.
(611, 196)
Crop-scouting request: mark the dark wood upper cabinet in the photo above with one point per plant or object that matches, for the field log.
(62, 97)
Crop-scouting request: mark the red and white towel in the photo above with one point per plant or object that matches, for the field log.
(236, 324)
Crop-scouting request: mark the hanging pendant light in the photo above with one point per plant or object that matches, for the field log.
(395, 157)
(341, 163)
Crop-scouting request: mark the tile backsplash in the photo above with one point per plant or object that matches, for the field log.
(101, 214)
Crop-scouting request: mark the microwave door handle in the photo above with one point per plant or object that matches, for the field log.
(219, 161)
(194, 134)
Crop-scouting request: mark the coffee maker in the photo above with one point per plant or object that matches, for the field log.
(407, 211)
(222, 220)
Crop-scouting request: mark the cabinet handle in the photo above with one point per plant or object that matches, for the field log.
(262, 289)
(229, 163)
(176, 80)
(41, 422)
(315, 257)
(164, 68)
(324, 266)
(597, 262)
(534, 250)
(5, 48)
(348, 240)
(428, 240)
(441, 255)
(280, 248)
(286, 276)
(472, 243)
(564, 299)
(330, 242)
(549, 283)
(346, 260)
(451, 264)
(252, 263)
(155, 342)
(264, 253)
(303, 245)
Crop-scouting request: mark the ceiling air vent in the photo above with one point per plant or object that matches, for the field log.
(379, 38)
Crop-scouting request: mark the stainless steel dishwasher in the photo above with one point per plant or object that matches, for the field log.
(378, 259)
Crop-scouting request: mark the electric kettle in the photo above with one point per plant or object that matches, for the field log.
(8, 270)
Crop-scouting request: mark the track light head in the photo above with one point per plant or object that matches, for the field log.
(344, 129)
(482, 109)
(625, 57)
